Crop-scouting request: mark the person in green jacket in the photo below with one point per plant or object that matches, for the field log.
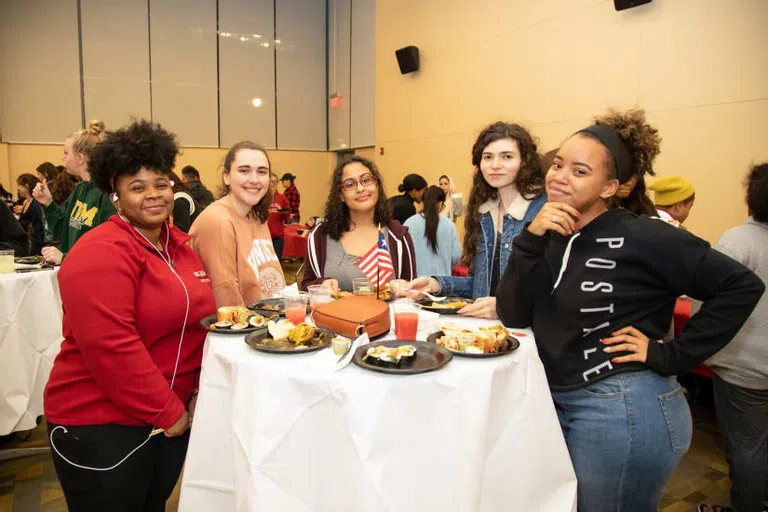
(87, 206)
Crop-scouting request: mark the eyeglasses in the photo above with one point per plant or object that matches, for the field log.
(366, 180)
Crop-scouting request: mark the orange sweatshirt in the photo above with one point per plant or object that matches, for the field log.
(238, 255)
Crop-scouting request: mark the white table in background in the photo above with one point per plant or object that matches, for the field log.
(30, 335)
(284, 433)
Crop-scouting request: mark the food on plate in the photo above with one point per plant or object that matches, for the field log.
(391, 357)
(483, 340)
(234, 314)
(237, 318)
(268, 307)
(454, 304)
(384, 294)
(284, 334)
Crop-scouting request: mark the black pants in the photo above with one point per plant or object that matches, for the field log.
(742, 414)
(142, 483)
(277, 243)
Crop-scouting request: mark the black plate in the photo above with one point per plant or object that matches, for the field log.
(206, 322)
(258, 307)
(429, 357)
(255, 340)
(514, 344)
(443, 311)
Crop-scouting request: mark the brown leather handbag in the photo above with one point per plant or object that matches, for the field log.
(352, 316)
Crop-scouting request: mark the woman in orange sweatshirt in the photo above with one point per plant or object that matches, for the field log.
(231, 235)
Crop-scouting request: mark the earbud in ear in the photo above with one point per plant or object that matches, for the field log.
(114, 196)
(172, 183)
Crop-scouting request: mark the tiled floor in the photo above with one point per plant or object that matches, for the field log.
(30, 484)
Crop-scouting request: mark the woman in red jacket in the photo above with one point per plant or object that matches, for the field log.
(133, 292)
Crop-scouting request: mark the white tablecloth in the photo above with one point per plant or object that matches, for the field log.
(30, 335)
(284, 433)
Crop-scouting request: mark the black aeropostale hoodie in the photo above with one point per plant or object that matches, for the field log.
(622, 270)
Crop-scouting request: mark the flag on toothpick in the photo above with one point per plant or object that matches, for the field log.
(376, 264)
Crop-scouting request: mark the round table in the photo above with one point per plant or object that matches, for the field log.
(287, 433)
(30, 335)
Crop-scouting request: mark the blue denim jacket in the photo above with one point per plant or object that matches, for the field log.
(478, 283)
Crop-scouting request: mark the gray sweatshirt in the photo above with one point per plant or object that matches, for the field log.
(744, 361)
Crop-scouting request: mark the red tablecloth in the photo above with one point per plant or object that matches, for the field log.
(680, 317)
(460, 271)
(294, 244)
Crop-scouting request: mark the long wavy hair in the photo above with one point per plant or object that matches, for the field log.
(337, 220)
(260, 209)
(529, 180)
(433, 196)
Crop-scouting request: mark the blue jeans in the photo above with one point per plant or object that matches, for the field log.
(625, 434)
(742, 414)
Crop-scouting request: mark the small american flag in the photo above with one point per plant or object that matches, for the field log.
(376, 263)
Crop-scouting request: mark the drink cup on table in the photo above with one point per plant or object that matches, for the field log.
(6, 262)
(363, 286)
(296, 307)
(406, 320)
(318, 295)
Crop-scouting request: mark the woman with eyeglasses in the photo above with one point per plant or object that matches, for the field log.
(231, 235)
(357, 221)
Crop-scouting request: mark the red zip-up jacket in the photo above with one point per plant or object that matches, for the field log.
(123, 313)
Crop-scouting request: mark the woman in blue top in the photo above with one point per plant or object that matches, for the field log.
(507, 193)
(435, 240)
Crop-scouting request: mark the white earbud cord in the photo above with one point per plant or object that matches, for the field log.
(168, 262)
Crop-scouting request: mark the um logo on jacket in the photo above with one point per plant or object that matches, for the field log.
(82, 215)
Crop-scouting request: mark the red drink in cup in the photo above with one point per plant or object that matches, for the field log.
(296, 314)
(406, 321)
(296, 307)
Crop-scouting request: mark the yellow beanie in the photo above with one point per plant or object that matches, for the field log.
(671, 190)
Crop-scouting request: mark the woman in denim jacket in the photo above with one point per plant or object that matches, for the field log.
(507, 193)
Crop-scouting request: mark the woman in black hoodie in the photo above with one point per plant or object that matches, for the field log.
(598, 286)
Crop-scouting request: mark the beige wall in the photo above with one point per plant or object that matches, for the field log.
(312, 168)
(699, 68)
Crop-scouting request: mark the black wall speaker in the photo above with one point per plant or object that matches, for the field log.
(628, 4)
(408, 59)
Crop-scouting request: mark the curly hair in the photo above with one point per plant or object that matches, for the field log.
(757, 192)
(62, 186)
(529, 181)
(644, 144)
(337, 221)
(125, 151)
(260, 209)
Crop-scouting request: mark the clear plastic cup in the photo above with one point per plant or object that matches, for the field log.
(296, 307)
(318, 295)
(363, 286)
(6, 262)
(406, 320)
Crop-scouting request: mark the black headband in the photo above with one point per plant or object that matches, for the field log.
(611, 139)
